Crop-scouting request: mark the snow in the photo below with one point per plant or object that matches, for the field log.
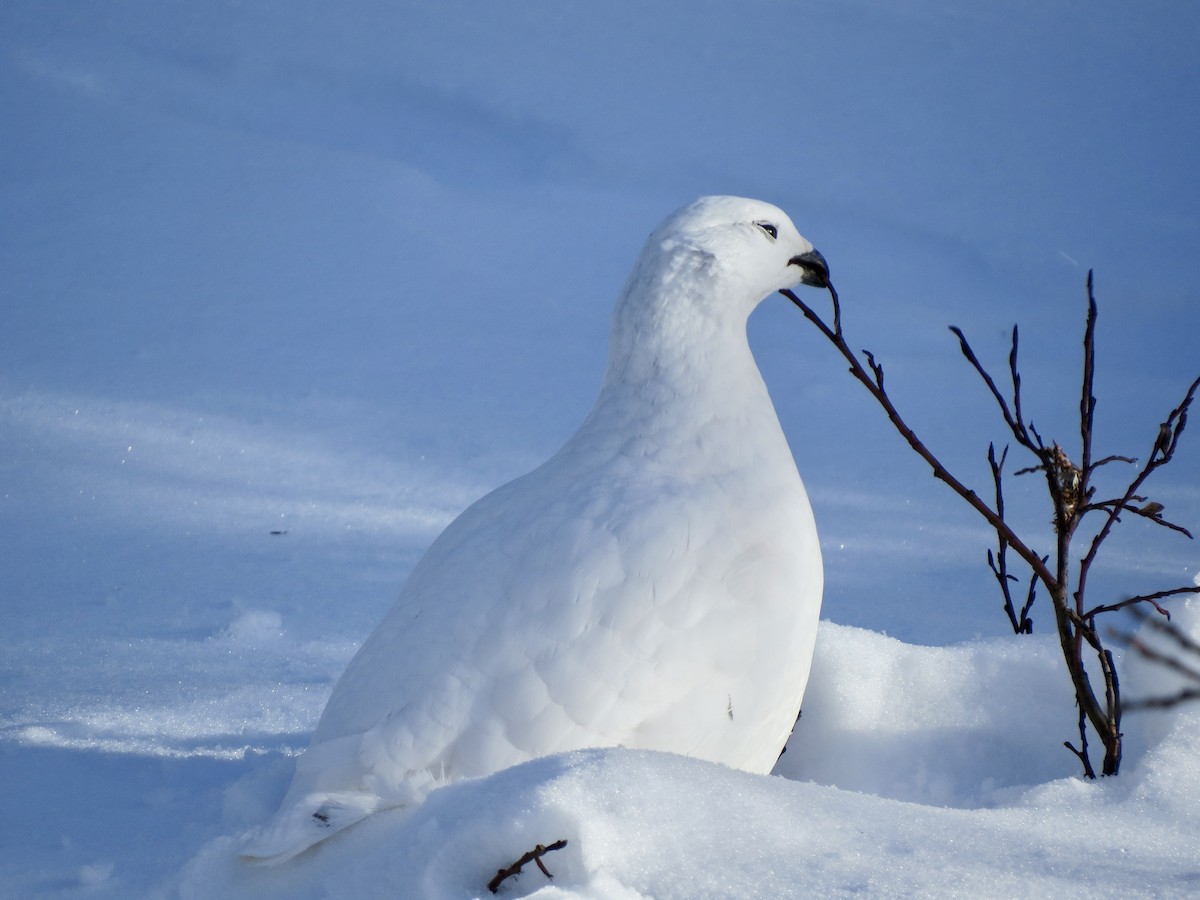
(646, 824)
(276, 268)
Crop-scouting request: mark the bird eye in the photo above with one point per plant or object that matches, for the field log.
(771, 230)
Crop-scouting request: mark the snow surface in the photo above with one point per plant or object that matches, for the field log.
(924, 725)
(334, 274)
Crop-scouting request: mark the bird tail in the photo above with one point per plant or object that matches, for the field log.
(300, 825)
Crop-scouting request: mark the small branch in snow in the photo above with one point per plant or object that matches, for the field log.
(1082, 752)
(535, 856)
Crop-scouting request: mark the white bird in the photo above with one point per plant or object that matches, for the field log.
(655, 584)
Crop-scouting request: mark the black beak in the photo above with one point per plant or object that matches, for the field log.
(814, 268)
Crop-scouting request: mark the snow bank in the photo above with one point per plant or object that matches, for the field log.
(956, 727)
(943, 725)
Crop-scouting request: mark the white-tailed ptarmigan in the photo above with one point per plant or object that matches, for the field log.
(655, 584)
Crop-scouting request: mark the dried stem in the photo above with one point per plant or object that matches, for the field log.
(1082, 752)
(998, 563)
(874, 384)
(1152, 599)
(535, 855)
(1071, 493)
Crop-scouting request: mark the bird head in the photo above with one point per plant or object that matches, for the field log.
(740, 250)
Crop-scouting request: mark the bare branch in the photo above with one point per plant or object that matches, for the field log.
(1038, 442)
(1087, 400)
(1159, 520)
(1033, 560)
(1169, 431)
(998, 562)
(1164, 449)
(1165, 444)
(1030, 595)
(876, 368)
(1152, 599)
(1016, 378)
(1072, 494)
(1015, 424)
(535, 855)
(1152, 511)
(1082, 752)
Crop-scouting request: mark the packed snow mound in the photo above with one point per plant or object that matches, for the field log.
(953, 726)
(648, 824)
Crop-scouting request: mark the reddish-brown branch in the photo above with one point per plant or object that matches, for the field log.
(535, 856)
(1071, 493)
(1032, 559)
(1015, 423)
(1151, 511)
(1087, 400)
(1163, 451)
(998, 562)
(1151, 599)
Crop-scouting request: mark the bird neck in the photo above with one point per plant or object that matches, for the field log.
(677, 358)
(678, 383)
(679, 326)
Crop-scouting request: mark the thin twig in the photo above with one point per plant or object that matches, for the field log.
(1151, 511)
(1164, 449)
(1032, 559)
(1112, 459)
(1152, 599)
(1082, 752)
(998, 562)
(1030, 595)
(1015, 375)
(1015, 425)
(1087, 399)
(535, 855)
(1072, 494)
